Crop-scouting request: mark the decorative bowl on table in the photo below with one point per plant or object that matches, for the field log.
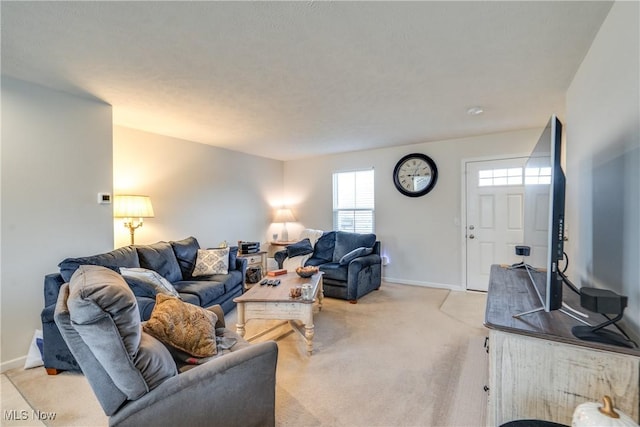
(306, 271)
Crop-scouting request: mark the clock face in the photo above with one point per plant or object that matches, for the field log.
(415, 175)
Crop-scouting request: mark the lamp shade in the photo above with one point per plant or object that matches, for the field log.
(284, 215)
(132, 207)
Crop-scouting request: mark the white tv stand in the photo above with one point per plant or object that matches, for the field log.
(538, 369)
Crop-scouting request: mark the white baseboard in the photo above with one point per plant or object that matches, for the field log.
(12, 364)
(424, 284)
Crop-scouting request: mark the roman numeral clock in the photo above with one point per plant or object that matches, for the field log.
(415, 175)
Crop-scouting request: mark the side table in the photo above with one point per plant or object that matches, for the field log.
(256, 259)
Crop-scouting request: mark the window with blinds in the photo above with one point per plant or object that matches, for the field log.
(353, 201)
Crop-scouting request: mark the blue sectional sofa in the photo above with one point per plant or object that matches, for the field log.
(174, 261)
(350, 262)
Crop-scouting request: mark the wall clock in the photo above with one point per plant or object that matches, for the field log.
(415, 175)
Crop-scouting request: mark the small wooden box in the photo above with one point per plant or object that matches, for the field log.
(279, 272)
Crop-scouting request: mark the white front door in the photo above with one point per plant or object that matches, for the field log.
(494, 216)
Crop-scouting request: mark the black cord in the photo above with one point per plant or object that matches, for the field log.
(567, 282)
(635, 344)
(566, 264)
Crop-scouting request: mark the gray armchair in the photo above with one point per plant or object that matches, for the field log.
(134, 376)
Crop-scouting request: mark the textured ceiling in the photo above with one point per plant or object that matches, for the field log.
(288, 80)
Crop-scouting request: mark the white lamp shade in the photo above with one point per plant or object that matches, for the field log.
(132, 207)
(284, 215)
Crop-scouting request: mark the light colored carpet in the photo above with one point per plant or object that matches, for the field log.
(402, 356)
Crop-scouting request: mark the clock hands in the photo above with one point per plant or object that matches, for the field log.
(417, 172)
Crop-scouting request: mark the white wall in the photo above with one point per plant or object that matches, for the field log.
(603, 161)
(56, 157)
(197, 190)
(421, 236)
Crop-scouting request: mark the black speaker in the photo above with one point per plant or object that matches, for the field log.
(602, 301)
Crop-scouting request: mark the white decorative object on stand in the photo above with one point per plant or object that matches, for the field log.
(594, 414)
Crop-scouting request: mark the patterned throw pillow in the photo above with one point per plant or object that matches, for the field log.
(150, 278)
(185, 326)
(211, 261)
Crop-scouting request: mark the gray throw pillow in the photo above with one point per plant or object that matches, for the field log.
(151, 278)
(356, 253)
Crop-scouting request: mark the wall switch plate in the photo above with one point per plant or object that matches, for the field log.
(104, 198)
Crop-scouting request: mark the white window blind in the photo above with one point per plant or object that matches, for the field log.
(353, 201)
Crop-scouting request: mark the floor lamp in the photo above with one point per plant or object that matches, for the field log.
(133, 209)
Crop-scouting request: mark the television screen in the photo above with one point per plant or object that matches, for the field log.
(544, 214)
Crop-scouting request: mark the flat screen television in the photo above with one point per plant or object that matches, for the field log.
(544, 200)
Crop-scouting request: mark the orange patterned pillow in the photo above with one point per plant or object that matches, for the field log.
(184, 326)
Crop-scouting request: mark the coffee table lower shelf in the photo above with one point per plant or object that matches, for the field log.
(269, 304)
(305, 332)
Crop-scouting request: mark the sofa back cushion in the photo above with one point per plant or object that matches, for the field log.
(160, 257)
(121, 257)
(186, 251)
(233, 257)
(347, 242)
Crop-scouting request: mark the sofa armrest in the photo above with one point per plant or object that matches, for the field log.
(235, 389)
(219, 314)
(52, 284)
(364, 262)
(315, 261)
(241, 264)
(280, 256)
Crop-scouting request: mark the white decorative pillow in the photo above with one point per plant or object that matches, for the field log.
(34, 356)
(153, 278)
(211, 261)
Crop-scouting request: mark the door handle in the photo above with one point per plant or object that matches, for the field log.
(471, 227)
(471, 236)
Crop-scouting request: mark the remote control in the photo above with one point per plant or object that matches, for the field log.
(264, 282)
(276, 282)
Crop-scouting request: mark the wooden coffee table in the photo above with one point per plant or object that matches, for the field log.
(274, 303)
